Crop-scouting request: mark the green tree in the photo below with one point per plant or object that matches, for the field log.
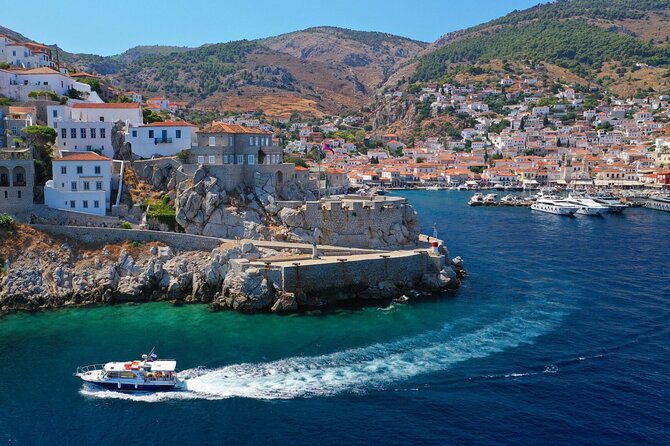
(151, 116)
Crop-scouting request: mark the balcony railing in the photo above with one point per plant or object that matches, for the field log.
(162, 140)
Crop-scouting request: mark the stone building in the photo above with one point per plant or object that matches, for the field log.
(17, 180)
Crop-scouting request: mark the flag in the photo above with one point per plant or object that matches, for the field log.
(326, 146)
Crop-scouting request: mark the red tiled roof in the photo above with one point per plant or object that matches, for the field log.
(81, 156)
(126, 105)
(43, 70)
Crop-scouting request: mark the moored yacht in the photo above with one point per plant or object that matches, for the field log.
(609, 200)
(659, 203)
(490, 199)
(476, 200)
(553, 205)
(146, 375)
(587, 206)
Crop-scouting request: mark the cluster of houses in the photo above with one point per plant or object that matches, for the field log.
(611, 143)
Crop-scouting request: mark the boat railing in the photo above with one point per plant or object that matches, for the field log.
(90, 368)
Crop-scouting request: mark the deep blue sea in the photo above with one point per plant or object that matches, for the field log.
(560, 335)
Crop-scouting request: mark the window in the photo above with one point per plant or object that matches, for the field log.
(54, 113)
(82, 132)
(212, 141)
(102, 133)
(5, 195)
(72, 204)
(230, 140)
(98, 185)
(93, 133)
(63, 133)
(251, 159)
(19, 194)
(73, 185)
(73, 133)
(212, 159)
(80, 170)
(96, 204)
(201, 159)
(177, 134)
(97, 169)
(134, 133)
(63, 170)
(226, 159)
(240, 159)
(87, 185)
(89, 148)
(151, 133)
(102, 119)
(85, 203)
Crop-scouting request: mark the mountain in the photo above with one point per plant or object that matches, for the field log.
(581, 36)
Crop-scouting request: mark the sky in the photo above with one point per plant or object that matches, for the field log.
(89, 27)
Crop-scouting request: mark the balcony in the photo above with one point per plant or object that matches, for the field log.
(162, 140)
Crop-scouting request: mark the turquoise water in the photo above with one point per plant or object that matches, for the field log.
(559, 335)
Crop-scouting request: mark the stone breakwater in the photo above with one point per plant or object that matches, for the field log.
(48, 270)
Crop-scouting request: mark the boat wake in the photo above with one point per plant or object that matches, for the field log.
(361, 369)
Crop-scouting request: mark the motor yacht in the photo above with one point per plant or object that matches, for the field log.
(553, 205)
(609, 200)
(587, 206)
(146, 375)
(476, 200)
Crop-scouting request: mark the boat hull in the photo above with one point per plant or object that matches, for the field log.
(133, 387)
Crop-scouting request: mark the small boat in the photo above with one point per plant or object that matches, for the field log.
(434, 187)
(554, 205)
(490, 199)
(146, 375)
(462, 187)
(476, 200)
(498, 186)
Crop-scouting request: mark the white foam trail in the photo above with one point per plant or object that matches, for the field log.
(360, 369)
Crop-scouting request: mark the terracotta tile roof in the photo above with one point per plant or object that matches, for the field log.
(234, 128)
(43, 70)
(126, 105)
(81, 156)
(16, 109)
(84, 74)
(170, 124)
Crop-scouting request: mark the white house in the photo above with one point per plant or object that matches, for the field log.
(24, 54)
(17, 84)
(88, 126)
(82, 182)
(160, 138)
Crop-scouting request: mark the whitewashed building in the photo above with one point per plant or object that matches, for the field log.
(24, 54)
(18, 84)
(82, 182)
(160, 138)
(89, 126)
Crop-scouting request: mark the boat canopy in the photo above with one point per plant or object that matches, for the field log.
(163, 366)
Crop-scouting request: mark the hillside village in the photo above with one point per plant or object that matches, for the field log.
(66, 148)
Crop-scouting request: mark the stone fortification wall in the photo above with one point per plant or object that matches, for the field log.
(355, 222)
(358, 272)
(183, 242)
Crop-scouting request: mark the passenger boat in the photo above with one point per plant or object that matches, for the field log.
(659, 203)
(587, 206)
(553, 205)
(146, 375)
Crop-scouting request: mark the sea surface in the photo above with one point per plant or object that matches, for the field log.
(560, 335)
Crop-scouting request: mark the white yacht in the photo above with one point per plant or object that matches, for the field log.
(476, 200)
(434, 187)
(609, 200)
(498, 186)
(553, 205)
(490, 199)
(659, 203)
(587, 206)
(146, 375)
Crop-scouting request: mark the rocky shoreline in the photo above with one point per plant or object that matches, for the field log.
(44, 272)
